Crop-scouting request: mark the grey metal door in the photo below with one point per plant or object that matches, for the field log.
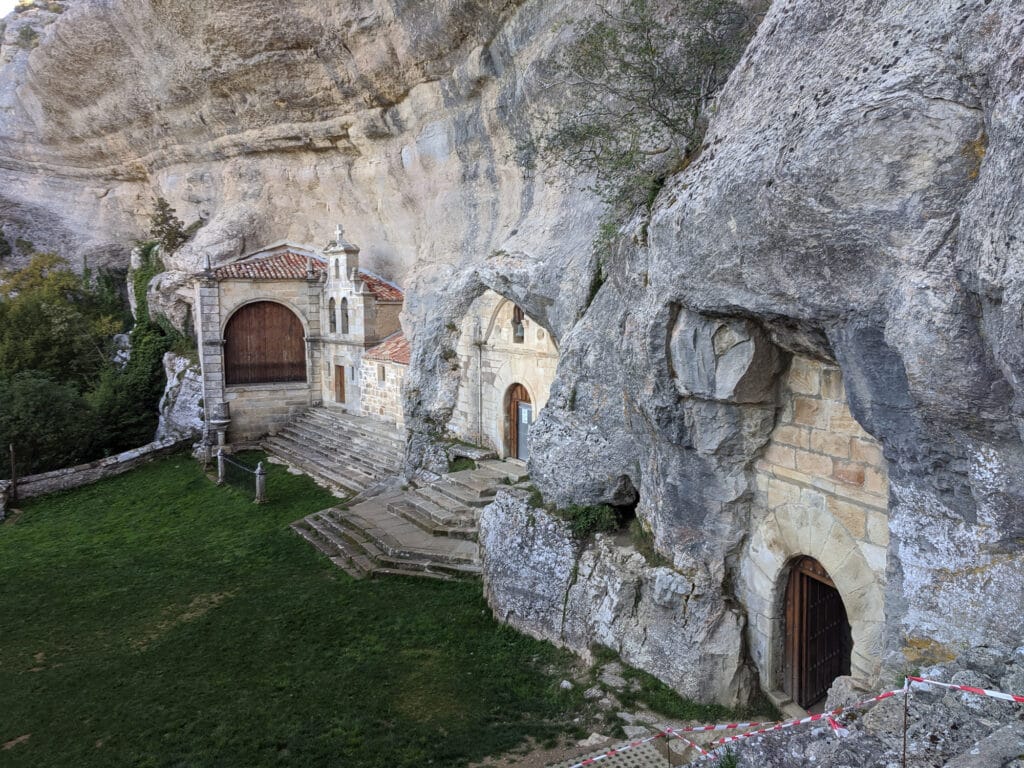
(524, 415)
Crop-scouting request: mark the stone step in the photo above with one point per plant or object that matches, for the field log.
(365, 466)
(474, 483)
(371, 426)
(413, 512)
(353, 536)
(460, 495)
(375, 553)
(344, 548)
(449, 507)
(510, 469)
(440, 508)
(401, 539)
(355, 426)
(346, 478)
(328, 549)
(340, 440)
(414, 574)
(369, 458)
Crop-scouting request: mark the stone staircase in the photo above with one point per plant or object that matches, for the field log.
(428, 530)
(340, 450)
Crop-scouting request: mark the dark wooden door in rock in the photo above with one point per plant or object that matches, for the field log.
(817, 632)
(520, 416)
(264, 343)
(339, 383)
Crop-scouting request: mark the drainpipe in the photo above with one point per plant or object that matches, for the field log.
(478, 342)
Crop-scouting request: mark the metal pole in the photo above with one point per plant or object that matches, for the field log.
(12, 495)
(906, 714)
(221, 468)
(261, 484)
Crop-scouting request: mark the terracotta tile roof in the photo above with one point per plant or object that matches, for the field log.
(381, 289)
(394, 349)
(280, 266)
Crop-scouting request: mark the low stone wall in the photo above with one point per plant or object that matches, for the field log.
(540, 580)
(84, 474)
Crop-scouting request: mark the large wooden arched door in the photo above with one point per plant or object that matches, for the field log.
(264, 343)
(817, 633)
(520, 417)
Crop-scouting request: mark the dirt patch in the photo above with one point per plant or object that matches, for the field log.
(531, 755)
(15, 742)
(13, 515)
(199, 607)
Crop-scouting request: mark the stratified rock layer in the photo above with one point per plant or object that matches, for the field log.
(544, 582)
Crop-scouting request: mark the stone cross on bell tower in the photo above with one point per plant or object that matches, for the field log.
(341, 245)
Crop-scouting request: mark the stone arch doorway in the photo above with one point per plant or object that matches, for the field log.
(519, 415)
(816, 630)
(264, 342)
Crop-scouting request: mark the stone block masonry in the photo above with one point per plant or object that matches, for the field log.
(821, 491)
(382, 390)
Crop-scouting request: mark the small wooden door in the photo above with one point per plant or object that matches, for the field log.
(339, 383)
(520, 416)
(817, 633)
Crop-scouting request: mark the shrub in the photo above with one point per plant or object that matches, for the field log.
(28, 38)
(638, 81)
(461, 463)
(166, 228)
(585, 521)
(643, 541)
(49, 424)
(5, 248)
(125, 400)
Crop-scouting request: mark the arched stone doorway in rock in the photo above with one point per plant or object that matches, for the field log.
(519, 417)
(816, 631)
(499, 347)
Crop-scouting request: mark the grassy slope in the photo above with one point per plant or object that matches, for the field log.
(155, 620)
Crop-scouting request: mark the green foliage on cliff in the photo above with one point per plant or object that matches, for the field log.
(637, 80)
(166, 228)
(63, 399)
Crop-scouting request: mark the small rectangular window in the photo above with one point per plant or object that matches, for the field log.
(382, 374)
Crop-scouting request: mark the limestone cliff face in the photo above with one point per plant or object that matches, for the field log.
(857, 201)
(274, 121)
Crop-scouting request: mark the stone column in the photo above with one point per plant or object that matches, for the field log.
(211, 347)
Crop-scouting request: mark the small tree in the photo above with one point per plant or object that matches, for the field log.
(637, 81)
(5, 248)
(166, 227)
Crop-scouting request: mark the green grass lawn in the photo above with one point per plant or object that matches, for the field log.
(157, 620)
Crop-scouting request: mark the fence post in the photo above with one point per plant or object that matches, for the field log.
(12, 495)
(220, 466)
(261, 484)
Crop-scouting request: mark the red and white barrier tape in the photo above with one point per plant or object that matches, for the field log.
(676, 731)
(765, 728)
(838, 729)
(970, 689)
(617, 751)
(828, 717)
